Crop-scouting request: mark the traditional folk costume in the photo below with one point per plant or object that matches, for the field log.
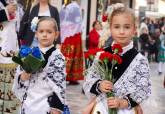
(8, 46)
(70, 18)
(132, 81)
(46, 88)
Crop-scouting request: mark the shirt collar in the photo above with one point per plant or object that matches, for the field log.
(45, 49)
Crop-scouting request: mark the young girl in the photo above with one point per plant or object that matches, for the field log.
(44, 91)
(132, 85)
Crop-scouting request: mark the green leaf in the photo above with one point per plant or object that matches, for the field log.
(17, 60)
(33, 64)
(105, 61)
(116, 51)
(91, 57)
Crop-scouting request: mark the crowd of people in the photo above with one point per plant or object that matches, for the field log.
(151, 38)
(58, 36)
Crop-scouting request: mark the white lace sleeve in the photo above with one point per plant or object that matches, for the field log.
(19, 86)
(56, 74)
(93, 74)
(143, 84)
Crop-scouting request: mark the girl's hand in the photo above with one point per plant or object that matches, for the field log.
(105, 86)
(114, 102)
(25, 76)
(55, 111)
(138, 109)
(88, 109)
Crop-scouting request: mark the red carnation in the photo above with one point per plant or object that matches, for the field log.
(106, 57)
(116, 48)
(104, 18)
(117, 58)
(92, 52)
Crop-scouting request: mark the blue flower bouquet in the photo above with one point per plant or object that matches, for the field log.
(30, 59)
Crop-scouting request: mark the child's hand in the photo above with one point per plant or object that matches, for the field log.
(105, 86)
(88, 109)
(114, 102)
(138, 109)
(55, 111)
(25, 76)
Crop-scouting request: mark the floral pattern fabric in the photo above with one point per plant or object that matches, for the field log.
(8, 101)
(72, 50)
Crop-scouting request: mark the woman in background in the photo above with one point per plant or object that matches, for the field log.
(41, 9)
(71, 28)
(94, 35)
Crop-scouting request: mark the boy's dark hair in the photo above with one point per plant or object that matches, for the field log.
(48, 19)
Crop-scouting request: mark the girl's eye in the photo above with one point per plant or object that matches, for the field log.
(116, 26)
(127, 27)
(41, 31)
(49, 31)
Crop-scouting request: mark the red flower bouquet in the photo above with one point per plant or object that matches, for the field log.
(90, 55)
(105, 59)
(113, 59)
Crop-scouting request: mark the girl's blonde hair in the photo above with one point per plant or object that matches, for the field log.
(122, 10)
(48, 19)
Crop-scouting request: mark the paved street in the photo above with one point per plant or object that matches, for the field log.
(156, 104)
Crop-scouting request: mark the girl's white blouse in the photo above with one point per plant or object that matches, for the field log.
(41, 85)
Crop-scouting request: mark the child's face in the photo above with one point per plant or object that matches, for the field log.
(97, 26)
(43, 0)
(122, 29)
(46, 33)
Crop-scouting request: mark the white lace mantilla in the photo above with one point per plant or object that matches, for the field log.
(134, 81)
